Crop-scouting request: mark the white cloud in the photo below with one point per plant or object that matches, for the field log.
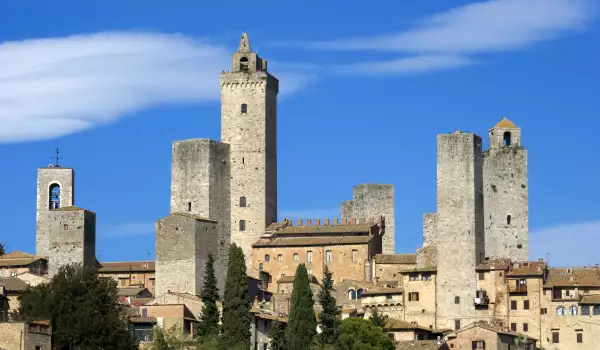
(567, 245)
(488, 26)
(309, 214)
(409, 65)
(54, 87)
(129, 229)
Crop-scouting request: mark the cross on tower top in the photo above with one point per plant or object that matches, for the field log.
(56, 158)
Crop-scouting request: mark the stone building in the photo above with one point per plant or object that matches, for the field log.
(26, 335)
(139, 274)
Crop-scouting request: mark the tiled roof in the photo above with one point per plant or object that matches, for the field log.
(396, 258)
(279, 241)
(13, 284)
(140, 319)
(420, 345)
(17, 258)
(127, 266)
(570, 277)
(593, 299)
(268, 315)
(189, 215)
(527, 268)
(129, 291)
(495, 329)
(420, 269)
(505, 124)
(493, 264)
(290, 279)
(382, 290)
(396, 324)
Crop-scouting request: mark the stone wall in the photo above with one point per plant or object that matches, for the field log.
(459, 225)
(183, 242)
(17, 336)
(200, 185)
(63, 177)
(422, 311)
(429, 228)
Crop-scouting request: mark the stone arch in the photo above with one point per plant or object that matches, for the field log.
(242, 202)
(54, 196)
(506, 138)
(351, 294)
(244, 64)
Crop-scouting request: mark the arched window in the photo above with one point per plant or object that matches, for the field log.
(508, 218)
(267, 257)
(596, 310)
(328, 256)
(359, 293)
(279, 258)
(560, 311)
(506, 139)
(242, 225)
(351, 294)
(573, 310)
(296, 257)
(242, 202)
(244, 64)
(585, 310)
(309, 256)
(354, 255)
(54, 196)
(244, 108)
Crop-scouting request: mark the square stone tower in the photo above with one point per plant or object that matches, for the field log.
(72, 233)
(183, 243)
(249, 126)
(200, 185)
(459, 226)
(506, 193)
(55, 189)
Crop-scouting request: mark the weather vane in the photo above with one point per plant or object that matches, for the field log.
(57, 157)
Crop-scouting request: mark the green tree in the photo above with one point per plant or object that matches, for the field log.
(277, 336)
(2, 250)
(83, 309)
(378, 319)
(302, 323)
(361, 334)
(236, 303)
(209, 322)
(172, 339)
(329, 317)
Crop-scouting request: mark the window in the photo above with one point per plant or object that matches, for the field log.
(242, 225)
(244, 108)
(54, 196)
(189, 206)
(585, 310)
(543, 311)
(560, 311)
(580, 337)
(144, 312)
(309, 256)
(426, 276)
(555, 338)
(389, 296)
(413, 296)
(513, 304)
(508, 219)
(328, 256)
(506, 139)
(525, 304)
(596, 310)
(482, 276)
(456, 300)
(478, 345)
(309, 271)
(260, 267)
(267, 257)
(242, 202)
(359, 293)
(279, 258)
(513, 327)
(354, 255)
(65, 227)
(413, 277)
(296, 257)
(456, 324)
(568, 292)
(525, 327)
(244, 64)
(573, 310)
(351, 294)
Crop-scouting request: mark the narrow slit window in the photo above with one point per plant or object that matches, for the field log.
(508, 219)
(242, 202)
(244, 108)
(242, 225)
(189, 206)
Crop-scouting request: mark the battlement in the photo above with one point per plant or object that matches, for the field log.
(361, 225)
(377, 220)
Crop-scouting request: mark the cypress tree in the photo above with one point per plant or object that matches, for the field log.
(329, 316)
(277, 335)
(302, 324)
(236, 303)
(209, 322)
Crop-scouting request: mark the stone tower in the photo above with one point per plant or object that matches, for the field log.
(55, 189)
(200, 186)
(249, 126)
(370, 200)
(506, 193)
(459, 226)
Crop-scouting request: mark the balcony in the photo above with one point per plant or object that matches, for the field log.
(517, 286)
(481, 298)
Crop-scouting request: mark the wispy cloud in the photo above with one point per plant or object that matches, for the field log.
(58, 86)
(129, 229)
(310, 214)
(567, 245)
(494, 25)
(404, 66)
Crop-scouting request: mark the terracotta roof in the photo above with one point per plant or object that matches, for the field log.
(495, 329)
(279, 241)
(17, 258)
(593, 299)
(13, 284)
(570, 277)
(130, 291)
(268, 315)
(396, 324)
(420, 345)
(493, 264)
(396, 258)
(527, 268)
(126, 266)
(382, 290)
(505, 124)
(290, 279)
(140, 319)
(420, 269)
(357, 228)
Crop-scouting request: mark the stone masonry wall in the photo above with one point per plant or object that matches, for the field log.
(370, 200)
(347, 210)
(251, 134)
(429, 228)
(200, 185)
(459, 226)
(183, 242)
(506, 203)
(72, 233)
(65, 178)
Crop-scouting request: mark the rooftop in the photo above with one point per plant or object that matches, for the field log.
(396, 324)
(420, 345)
(17, 258)
(493, 264)
(396, 258)
(127, 266)
(505, 124)
(571, 277)
(12, 284)
(420, 269)
(382, 290)
(527, 269)
(309, 226)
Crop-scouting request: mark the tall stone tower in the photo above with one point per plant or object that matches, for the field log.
(459, 226)
(506, 193)
(55, 189)
(249, 126)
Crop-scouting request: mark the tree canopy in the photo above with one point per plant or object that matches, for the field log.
(378, 319)
(83, 309)
(277, 336)
(361, 334)
(302, 323)
(209, 321)
(2, 251)
(329, 316)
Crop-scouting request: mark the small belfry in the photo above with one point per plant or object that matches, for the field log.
(505, 134)
(244, 46)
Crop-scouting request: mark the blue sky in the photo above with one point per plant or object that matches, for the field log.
(364, 91)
